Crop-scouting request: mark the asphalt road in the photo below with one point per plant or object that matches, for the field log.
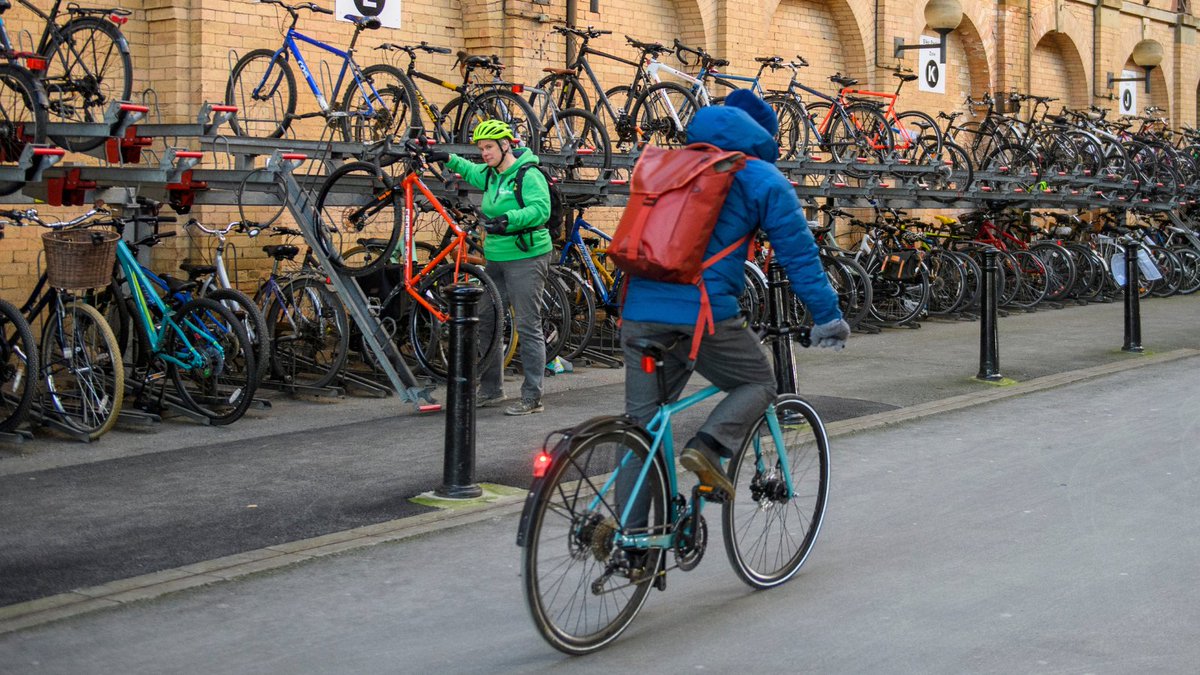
(1052, 532)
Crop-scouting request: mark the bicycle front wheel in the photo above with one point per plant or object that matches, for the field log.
(88, 67)
(358, 207)
(381, 104)
(429, 335)
(662, 114)
(82, 372)
(219, 382)
(263, 88)
(309, 333)
(583, 589)
(772, 524)
(18, 366)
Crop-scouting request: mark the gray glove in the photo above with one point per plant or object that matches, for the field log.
(831, 335)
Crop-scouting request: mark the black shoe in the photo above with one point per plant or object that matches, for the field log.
(706, 464)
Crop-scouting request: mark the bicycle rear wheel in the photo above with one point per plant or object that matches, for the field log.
(264, 90)
(18, 366)
(82, 372)
(583, 312)
(22, 117)
(88, 68)
(582, 589)
(772, 524)
(252, 319)
(309, 333)
(429, 336)
(221, 385)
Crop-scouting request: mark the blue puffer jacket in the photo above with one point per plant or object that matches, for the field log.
(761, 197)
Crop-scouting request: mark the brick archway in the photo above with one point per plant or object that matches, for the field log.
(1058, 71)
(825, 32)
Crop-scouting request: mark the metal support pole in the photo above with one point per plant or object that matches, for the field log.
(458, 474)
(1133, 314)
(779, 306)
(989, 350)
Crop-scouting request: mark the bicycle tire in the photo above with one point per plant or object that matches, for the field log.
(81, 370)
(215, 390)
(251, 317)
(621, 133)
(762, 494)
(566, 532)
(583, 312)
(261, 121)
(1189, 262)
(23, 117)
(952, 173)
(429, 337)
(579, 137)
(1035, 282)
(396, 115)
(923, 131)
(18, 368)
(947, 282)
(653, 117)
(896, 303)
(358, 201)
(502, 104)
(75, 96)
(1060, 268)
(793, 132)
(564, 90)
(556, 317)
(861, 136)
(309, 333)
(1171, 270)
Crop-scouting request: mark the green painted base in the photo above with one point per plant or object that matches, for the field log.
(1143, 352)
(491, 494)
(999, 382)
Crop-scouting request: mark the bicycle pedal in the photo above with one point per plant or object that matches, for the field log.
(712, 494)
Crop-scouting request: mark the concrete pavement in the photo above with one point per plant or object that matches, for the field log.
(1047, 532)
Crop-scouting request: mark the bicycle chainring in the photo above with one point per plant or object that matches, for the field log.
(689, 550)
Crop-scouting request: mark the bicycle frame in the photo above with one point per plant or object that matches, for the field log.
(145, 296)
(660, 429)
(457, 244)
(582, 64)
(348, 65)
(600, 278)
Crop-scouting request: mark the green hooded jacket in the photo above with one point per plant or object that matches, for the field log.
(499, 198)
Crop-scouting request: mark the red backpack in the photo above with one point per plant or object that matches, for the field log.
(675, 198)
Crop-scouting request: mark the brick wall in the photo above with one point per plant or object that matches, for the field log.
(183, 50)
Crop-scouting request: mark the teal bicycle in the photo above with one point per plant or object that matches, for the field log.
(605, 512)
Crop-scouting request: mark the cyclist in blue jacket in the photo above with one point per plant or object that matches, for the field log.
(732, 357)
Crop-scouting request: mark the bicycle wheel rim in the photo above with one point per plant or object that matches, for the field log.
(18, 378)
(265, 104)
(571, 545)
(221, 386)
(769, 532)
(82, 375)
(358, 207)
(429, 336)
(73, 96)
(308, 334)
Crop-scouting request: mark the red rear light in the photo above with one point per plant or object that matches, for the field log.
(648, 364)
(35, 64)
(540, 464)
(119, 20)
(518, 88)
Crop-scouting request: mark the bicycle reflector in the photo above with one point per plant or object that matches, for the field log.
(648, 364)
(35, 63)
(119, 20)
(518, 89)
(541, 463)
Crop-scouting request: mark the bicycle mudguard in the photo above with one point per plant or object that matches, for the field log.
(561, 447)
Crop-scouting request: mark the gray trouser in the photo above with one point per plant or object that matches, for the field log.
(732, 358)
(521, 283)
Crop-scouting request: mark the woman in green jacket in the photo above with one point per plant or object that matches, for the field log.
(518, 251)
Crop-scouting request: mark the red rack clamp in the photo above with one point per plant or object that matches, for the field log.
(68, 189)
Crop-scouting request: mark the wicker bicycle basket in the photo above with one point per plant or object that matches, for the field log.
(80, 258)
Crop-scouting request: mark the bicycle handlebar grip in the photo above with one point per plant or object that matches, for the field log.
(318, 9)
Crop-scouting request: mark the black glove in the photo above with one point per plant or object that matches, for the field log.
(437, 156)
(496, 225)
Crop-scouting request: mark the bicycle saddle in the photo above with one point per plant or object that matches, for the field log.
(282, 251)
(905, 77)
(365, 23)
(655, 345)
(374, 243)
(178, 285)
(558, 71)
(195, 270)
(844, 81)
(720, 63)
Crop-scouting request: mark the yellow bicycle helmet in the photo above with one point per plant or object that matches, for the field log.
(492, 130)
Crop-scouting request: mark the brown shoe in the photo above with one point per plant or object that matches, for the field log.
(706, 464)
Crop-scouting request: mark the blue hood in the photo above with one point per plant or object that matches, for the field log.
(732, 129)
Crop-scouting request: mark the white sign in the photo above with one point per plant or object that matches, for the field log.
(932, 72)
(387, 11)
(1127, 101)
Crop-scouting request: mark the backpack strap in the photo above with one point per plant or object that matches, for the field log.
(704, 318)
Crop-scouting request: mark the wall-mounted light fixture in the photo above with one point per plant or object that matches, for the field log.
(1147, 54)
(943, 16)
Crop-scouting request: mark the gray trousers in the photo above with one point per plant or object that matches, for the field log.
(521, 283)
(731, 358)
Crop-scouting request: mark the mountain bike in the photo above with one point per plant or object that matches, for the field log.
(606, 508)
(87, 65)
(263, 87)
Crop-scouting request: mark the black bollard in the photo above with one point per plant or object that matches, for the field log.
(1133, 312)
(989, 350)
(458, 473)
(779, 314)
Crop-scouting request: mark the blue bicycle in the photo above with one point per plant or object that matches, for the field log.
(263, 87)
(587, 257)
(605, 508)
